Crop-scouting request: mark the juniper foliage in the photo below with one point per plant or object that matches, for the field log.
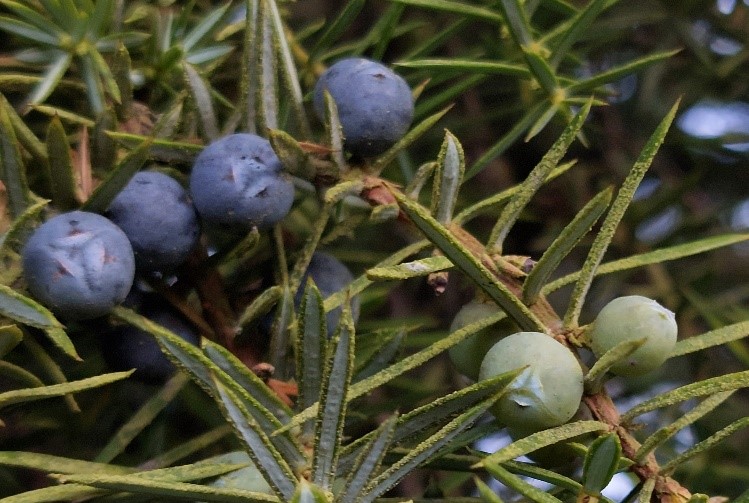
(543, 172)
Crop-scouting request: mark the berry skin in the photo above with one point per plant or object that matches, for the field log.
(468, 353)
(630, 318)
(79, 264)
(238, 181)
(547, 393)
(374, 104)
(126, 347)
(158, 217)
(330, 276)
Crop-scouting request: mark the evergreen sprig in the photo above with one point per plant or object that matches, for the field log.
(93, 92)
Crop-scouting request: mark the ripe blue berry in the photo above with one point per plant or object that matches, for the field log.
(79, 264)
(158, 217)
(468, 353)
(630, 318)
(547, 393)
(330, 276)
(238, 181)
(374, 104)
(127, 347)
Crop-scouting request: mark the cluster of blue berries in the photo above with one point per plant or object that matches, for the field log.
(81, 264)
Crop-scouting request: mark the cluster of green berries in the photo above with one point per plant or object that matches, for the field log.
(81, 264)
(549, 390)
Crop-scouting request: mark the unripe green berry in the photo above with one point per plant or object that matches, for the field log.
(547, 393)
(631, 318)
(468, 353)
